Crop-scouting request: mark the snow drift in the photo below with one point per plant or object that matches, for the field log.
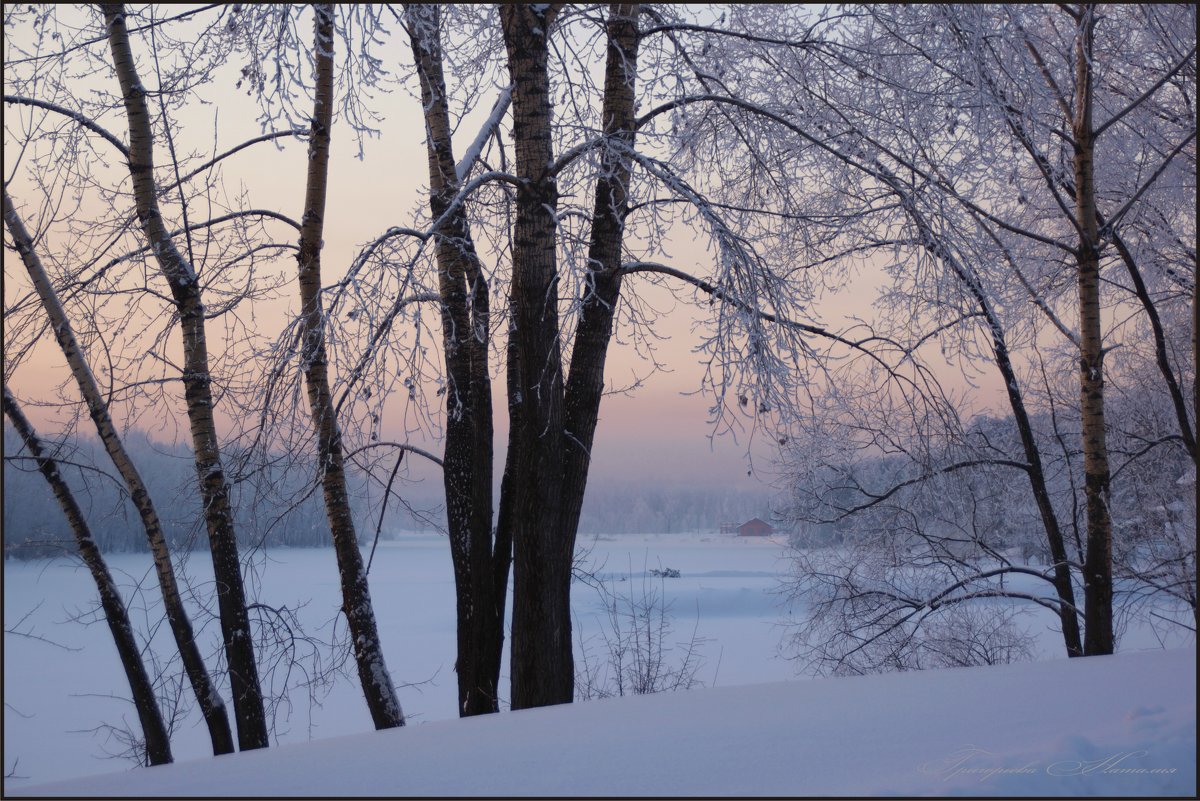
(1116, 725)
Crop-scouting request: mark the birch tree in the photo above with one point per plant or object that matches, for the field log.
(185, 289)
(360, 614)
(154, 731)
(967, 85)
(221, 260)
(1070, 89)
(211, 704)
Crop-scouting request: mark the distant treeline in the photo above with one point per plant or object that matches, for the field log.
(636, 507)
(989, 505)
(277, 504)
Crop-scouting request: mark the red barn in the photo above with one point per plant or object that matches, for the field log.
(755, 528)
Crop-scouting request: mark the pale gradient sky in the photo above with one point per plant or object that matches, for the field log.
(658, 432)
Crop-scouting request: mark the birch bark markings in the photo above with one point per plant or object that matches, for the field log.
(212, 706)
(214, 492)
(376, 682)
(158, 746)
(480, 566)
(1097, 569)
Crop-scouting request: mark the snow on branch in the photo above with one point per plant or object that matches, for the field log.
(463, 168)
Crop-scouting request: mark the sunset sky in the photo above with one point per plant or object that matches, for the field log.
(661, 432)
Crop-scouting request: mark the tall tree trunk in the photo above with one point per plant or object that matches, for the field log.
(158, 745)
(376, 682)
(553, 425)
(212, 706)
(214, 491)
(1068, 613)
(480, 571)
(1195, 409)
(1063, 586)
(542, 662)
(585, 384)
(1098, 585)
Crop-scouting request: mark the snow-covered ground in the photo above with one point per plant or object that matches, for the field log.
(938, 732)
(1121, 725)
(56, 698)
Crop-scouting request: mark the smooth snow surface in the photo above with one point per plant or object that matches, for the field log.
(58, 690)
(1120, 725)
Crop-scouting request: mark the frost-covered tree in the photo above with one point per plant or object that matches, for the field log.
(568, 147)
(181, 277)
(360, 614)
(114, 303)
(571, 270)
(994, 182)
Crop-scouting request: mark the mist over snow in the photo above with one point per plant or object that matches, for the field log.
(276, 507)
(748, 725)
(600, 400)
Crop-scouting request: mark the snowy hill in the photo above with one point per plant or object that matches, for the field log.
(1121, 725)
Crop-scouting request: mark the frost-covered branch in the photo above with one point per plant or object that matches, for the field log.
(83, 121)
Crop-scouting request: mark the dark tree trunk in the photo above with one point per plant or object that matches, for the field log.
(214, 491)
(542, 663)
(480, 569)
(1068, 612)
(158, 745)
(1160, 343)
(212, 706)
(585, 384)
(376, 682)
(1064, 588)
(553, 425)
(1098, 584)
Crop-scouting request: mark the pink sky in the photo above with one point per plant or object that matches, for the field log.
(660, 432)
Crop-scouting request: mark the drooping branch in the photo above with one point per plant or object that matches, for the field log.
(198, 226)
(381, 331)
(630, 268)
(267, 137)
(98, 39)
(868, 168)
(85, 122)
(400, 446)
(880, 497)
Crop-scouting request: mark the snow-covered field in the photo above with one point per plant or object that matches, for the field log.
(944, 732)
(1121, 725)
(55, 697)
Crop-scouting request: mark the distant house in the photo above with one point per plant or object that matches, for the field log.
(755, 528)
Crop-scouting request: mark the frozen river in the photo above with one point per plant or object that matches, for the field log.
(61, 690)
